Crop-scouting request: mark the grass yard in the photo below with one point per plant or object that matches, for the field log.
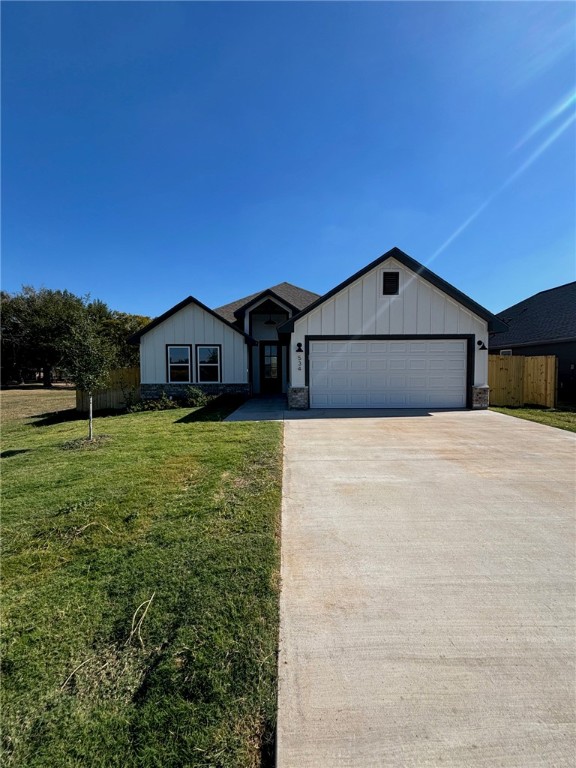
(140, 589)
(560, 418)
(31, 399)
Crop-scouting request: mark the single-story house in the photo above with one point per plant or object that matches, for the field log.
(544, 324)
(393, 335)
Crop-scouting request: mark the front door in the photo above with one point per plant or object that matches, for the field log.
(270, 368)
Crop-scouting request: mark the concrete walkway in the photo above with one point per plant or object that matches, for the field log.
(261, 409)
(275, 408)
(427, 606)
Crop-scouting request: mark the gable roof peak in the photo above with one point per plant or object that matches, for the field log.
(296, 297)
(135, 337)
(495, 324)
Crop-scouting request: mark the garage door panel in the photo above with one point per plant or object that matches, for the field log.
(378, 365)
(388, 374)
(378, 347)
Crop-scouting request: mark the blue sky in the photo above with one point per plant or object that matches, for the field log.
(155, 150)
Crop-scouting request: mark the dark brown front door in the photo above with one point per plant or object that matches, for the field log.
(270, 368)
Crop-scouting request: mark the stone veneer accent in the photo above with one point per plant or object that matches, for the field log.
(480, 397)
(154, 391)
(298, 398)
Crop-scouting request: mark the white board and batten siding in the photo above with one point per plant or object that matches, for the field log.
(193, 325)
(361, 309)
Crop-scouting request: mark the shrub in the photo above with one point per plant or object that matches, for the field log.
(131, 397)
(163, 403)
(194, 397)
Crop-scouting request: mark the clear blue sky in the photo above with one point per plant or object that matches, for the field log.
(155, 150)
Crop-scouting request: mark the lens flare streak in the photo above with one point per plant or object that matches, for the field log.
(554, 113)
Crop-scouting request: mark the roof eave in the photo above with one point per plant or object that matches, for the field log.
(496, 325)
(534, 343)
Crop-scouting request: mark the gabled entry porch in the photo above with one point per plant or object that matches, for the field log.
(269, 359)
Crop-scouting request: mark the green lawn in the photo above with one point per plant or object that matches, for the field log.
(560, 418)
(140, 591)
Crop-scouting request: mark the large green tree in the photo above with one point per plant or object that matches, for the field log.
(37, 323)
(117, 327)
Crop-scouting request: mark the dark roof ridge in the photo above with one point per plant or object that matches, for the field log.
(287, 292)
(543, 318)
(251, 296)
(533, 296)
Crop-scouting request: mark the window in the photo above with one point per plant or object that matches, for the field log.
(208, 358)
(179, 364)
(391, 283)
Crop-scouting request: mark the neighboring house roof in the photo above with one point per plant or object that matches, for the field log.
(297, 298)
(135, 338)
(548, 316)
(495, 325)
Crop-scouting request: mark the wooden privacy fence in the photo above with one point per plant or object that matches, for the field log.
(515, 380)
(121, 382)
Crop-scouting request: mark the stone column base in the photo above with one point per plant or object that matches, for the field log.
(480, 397)
(298, 398)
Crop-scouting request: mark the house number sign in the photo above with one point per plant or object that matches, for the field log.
(299, 356)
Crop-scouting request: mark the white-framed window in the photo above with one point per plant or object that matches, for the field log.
(179, 363)
(208, 363)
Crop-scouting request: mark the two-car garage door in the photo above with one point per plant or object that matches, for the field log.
(406, 373)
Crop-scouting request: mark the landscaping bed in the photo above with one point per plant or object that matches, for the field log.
(140, 583)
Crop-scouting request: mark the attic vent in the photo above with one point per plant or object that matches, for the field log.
(505, 352)
(391, 283)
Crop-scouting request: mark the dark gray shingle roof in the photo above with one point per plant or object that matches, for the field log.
(548, 316)
(297, 297)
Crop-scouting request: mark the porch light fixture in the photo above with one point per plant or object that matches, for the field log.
(481, 345)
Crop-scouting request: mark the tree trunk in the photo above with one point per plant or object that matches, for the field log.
(90, 432)
(47, 375)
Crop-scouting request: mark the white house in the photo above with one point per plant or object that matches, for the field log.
(394, 335)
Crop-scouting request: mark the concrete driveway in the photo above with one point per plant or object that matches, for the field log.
(428, 592)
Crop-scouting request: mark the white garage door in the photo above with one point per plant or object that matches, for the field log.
(409, 373)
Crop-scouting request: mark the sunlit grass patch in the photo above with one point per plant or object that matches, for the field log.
(562, 418)
(140, 592)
